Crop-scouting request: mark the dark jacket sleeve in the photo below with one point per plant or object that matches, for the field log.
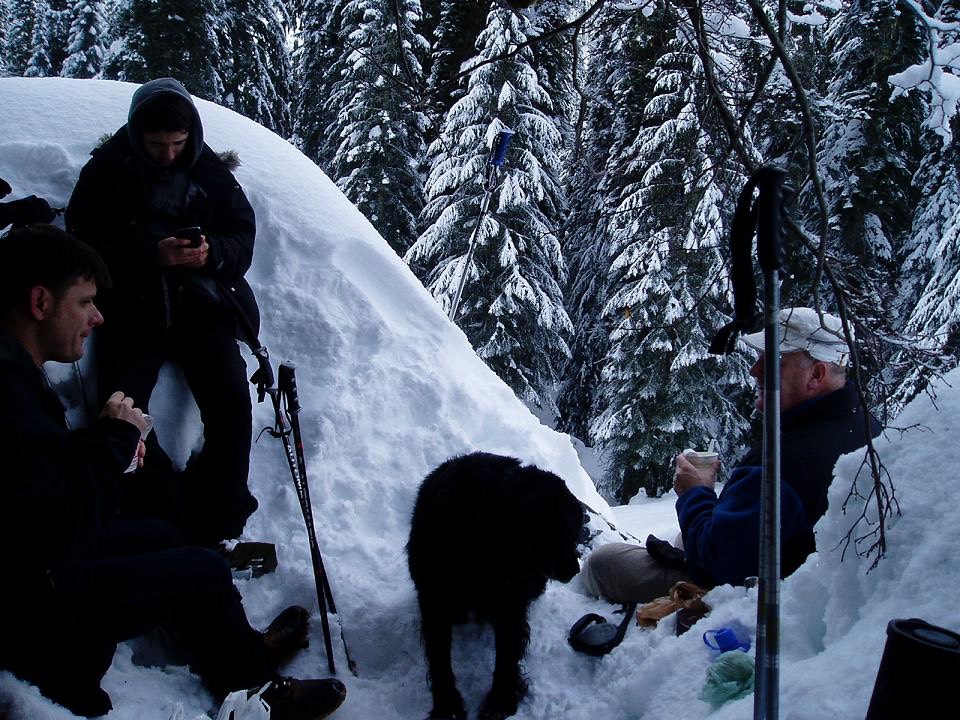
(101, 213)
(721, 535)
(108, 445)
(226, 218)
(58, 487)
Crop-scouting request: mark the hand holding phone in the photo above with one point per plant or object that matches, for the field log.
(192, 233)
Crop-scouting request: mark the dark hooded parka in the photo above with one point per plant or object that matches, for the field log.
(124, 204)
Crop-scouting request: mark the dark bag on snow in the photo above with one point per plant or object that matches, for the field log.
(593, 635)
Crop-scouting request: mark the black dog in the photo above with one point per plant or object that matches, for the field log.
(485, 536)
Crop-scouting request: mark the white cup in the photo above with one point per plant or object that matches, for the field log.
(700, 459)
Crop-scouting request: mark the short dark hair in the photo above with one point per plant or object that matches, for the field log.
(45, 255)
(166, 113)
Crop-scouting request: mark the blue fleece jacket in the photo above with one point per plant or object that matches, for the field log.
(721, 534)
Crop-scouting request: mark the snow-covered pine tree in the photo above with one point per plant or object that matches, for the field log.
(553, 57)
(456, 25)
(87, 40)
(512, 305)
(375, 138)
(168, 38)
(452, 28)
(292, 13)
(59, 20)
(868, 154)
(592, 189)
(776, 121)
(256, 69)
(319, 62)
(929, 261)
(930, 295)
(21, 18)
(38, 65)
(660, 390)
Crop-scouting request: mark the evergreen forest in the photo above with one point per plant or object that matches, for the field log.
(600, 263)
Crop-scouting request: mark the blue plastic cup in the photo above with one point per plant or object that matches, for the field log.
(724, 640)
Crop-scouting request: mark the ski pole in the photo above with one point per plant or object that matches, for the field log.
(287, 385)
(284, 432)
(497, 156)
(763, 217)
(769, 246)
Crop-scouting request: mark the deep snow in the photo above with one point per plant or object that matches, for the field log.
(390, 389)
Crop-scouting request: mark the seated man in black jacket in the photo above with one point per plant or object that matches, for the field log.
(176, 298)
(78, 578)
(821, 418)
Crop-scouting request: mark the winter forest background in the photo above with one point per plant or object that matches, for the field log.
(601, 271)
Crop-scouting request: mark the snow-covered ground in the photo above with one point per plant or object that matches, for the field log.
(390, 389)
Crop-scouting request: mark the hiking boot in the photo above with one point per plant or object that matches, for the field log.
(287, 633)
(292, 699)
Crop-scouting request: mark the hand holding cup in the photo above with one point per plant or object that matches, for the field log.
(695, 469)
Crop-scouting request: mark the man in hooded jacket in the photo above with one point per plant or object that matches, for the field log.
(174, 299)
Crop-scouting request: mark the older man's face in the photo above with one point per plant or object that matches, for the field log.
(796, 372)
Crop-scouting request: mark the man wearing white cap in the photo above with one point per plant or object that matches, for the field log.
(821, 419)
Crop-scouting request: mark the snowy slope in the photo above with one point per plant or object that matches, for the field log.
(390, 389)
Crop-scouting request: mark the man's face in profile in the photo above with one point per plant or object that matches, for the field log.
(796, 369)
(71, 319)
(165, 147)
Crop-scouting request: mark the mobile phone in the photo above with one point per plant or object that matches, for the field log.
(190, 233)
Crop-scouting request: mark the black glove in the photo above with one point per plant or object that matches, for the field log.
(5, 188)
(27, 211)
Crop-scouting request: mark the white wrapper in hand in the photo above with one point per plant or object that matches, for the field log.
(143, 436)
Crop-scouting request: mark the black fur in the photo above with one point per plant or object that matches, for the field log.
(486, 535)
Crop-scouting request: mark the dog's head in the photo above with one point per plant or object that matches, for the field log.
(557, 519)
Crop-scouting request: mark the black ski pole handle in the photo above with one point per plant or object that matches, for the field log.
(770, 197)
(287, 384)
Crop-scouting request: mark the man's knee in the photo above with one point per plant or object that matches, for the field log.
(623, 572)
(602, 567)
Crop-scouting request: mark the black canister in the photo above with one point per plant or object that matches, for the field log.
(918, 671)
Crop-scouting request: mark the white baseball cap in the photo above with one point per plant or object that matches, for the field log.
(801, 329)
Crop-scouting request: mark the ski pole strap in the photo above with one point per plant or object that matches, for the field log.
(767, 211)
(263, 376)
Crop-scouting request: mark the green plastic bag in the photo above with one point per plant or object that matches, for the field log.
(730, 677)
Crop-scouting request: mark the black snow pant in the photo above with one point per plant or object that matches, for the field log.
(210, 499)
(63, 638)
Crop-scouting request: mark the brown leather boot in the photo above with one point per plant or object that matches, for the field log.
(287, 633)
